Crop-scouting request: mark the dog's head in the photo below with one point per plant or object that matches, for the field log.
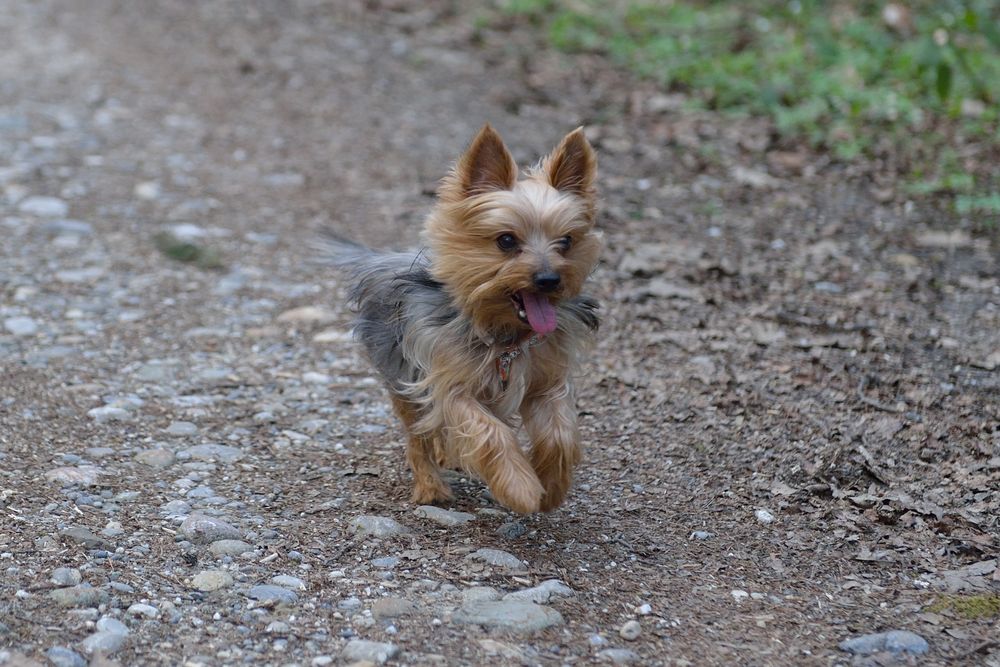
(508, 250)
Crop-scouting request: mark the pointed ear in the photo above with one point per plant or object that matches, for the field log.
(572, 166)
(485, 166)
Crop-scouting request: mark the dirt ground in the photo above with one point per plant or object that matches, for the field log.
(791, 419)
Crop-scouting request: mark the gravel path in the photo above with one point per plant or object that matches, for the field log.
(792, 438)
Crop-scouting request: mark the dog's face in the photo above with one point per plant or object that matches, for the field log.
(507, 250)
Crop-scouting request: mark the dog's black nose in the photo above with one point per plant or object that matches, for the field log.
(546, 281)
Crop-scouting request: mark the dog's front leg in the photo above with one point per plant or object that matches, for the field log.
(550, 420)
(488, 447)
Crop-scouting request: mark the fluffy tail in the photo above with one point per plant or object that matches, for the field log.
(332, 248)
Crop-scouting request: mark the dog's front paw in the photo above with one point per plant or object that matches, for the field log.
(431, 492)
(522, 493)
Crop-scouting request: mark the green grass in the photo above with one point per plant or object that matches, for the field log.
(833, 74)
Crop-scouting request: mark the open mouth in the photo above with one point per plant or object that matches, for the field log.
(535, 310)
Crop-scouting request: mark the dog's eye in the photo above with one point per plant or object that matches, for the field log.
(507, 242)
(565, 243)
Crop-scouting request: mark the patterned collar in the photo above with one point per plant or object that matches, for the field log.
(511, 352)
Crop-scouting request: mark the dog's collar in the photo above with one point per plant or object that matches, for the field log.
(511, 352)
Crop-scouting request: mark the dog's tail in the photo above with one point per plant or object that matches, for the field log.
(330, 248)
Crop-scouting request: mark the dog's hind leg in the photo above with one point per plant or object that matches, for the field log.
(428, 487)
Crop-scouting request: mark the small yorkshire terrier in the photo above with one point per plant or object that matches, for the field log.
(482, 328)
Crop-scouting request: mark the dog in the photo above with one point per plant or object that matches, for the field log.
(482, 329)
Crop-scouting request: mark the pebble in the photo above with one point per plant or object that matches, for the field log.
(109, 413)
(349, 604)
(308, 315)
(377, 652)
(229, 547)
(145, 610)
(384, 608)
(278, 628)
(893, 641)
(268, 593)
(156, 458)
(213, 452)
(386, 562)
(44, 207)
(81, 535)
(701, 535)
(512, 530)
(21, 326)
(543, 592)
(378, 526)
(104, 642)
(644, 610)
(289, 582)
(630, 631)
(60, 656)
(618, 656)
(442, 516)
(181, 429)
(66, 576)
(480, 593)
(202, 529)
(511, 615)
(764, 516)
(109, 624)
(497, 558)
(82, 595)
(212, 580)
(73, 475)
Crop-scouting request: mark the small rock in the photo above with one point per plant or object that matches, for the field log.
(21, 326)
(543, 592)
(378, 526)
(480, 593)
(442, 516)
(278, 628)
(894, 641)
(512, 530)
(44, 207)
(103, 642)
(212, 580)
(82, 595)
(109, 413)
(144, 610)
(60, 656)
(156, 458)
(289, 582)
(81, 535)
(764, 516)
(739, 595)
(229, 548)
(213, 452)
(109, 624)
(630, 631)
(644, 610)
(273, 594)
(384, 608)
(618, 656)
(510, 615)
(202, 529)
(386, 562)
(497, 558)
(181, 429)
(66, 576)
(349, 604)
(377, 652)
(701, 535)
(72, 475)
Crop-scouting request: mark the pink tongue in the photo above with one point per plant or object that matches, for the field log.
(541, 314)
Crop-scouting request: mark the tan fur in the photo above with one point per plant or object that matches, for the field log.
(460, 413)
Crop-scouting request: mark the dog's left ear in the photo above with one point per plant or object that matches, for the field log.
(486, 166)
(572, 166)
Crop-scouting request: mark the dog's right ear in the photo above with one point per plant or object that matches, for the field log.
(486, 166)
